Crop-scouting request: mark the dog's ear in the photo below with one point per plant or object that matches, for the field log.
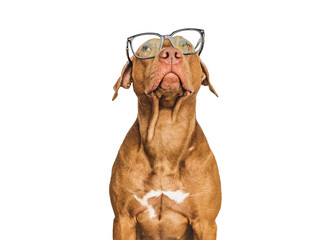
(124, 80)
(205, 78)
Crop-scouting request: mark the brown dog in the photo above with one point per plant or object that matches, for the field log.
(165, 182)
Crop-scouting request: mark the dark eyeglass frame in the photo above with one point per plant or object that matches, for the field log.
(163, 37)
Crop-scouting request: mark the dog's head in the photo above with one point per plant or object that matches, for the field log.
(168, 75)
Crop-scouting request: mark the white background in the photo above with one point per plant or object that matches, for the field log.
(60, 131)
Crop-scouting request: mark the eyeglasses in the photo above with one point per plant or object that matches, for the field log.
(147, 45)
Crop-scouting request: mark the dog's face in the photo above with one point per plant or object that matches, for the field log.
(168, 75)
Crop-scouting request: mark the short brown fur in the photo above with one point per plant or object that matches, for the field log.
(165, 149)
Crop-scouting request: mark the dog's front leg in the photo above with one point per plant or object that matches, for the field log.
(124, 228)
(204, 229)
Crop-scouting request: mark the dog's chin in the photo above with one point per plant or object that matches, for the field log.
(168, 94)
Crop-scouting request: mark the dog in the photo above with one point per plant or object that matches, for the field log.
(165, 182)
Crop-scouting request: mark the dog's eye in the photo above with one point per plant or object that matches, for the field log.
(146, 48)
(185, 45)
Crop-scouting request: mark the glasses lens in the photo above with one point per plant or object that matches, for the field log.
(147, 45)
(187, 41)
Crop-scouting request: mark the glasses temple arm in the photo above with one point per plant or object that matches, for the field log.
(127, 49)
(203, 36)
(199, 41)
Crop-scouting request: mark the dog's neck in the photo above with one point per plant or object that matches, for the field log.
(166, 127)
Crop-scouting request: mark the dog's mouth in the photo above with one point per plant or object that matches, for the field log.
(170, 85)
(170, 81)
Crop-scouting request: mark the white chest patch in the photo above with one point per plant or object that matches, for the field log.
(177, 196)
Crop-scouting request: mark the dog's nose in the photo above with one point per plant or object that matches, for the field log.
(170, 55)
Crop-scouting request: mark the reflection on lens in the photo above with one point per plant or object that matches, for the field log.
(149, 48)
(146, 45)
(187, 41)
(183, 44)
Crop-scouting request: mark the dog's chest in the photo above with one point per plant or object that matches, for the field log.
(163, 206)
(163, 211)
(151, 200)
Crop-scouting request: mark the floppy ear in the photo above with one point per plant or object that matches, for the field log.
(124, 80)
(205, 78)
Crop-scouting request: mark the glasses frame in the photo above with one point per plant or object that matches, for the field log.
(163, 37)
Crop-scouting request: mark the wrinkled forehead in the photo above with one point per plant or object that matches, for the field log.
(152, 42)
(177, 40)
(180, 40)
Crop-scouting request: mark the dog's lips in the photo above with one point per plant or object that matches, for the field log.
(170, 82)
